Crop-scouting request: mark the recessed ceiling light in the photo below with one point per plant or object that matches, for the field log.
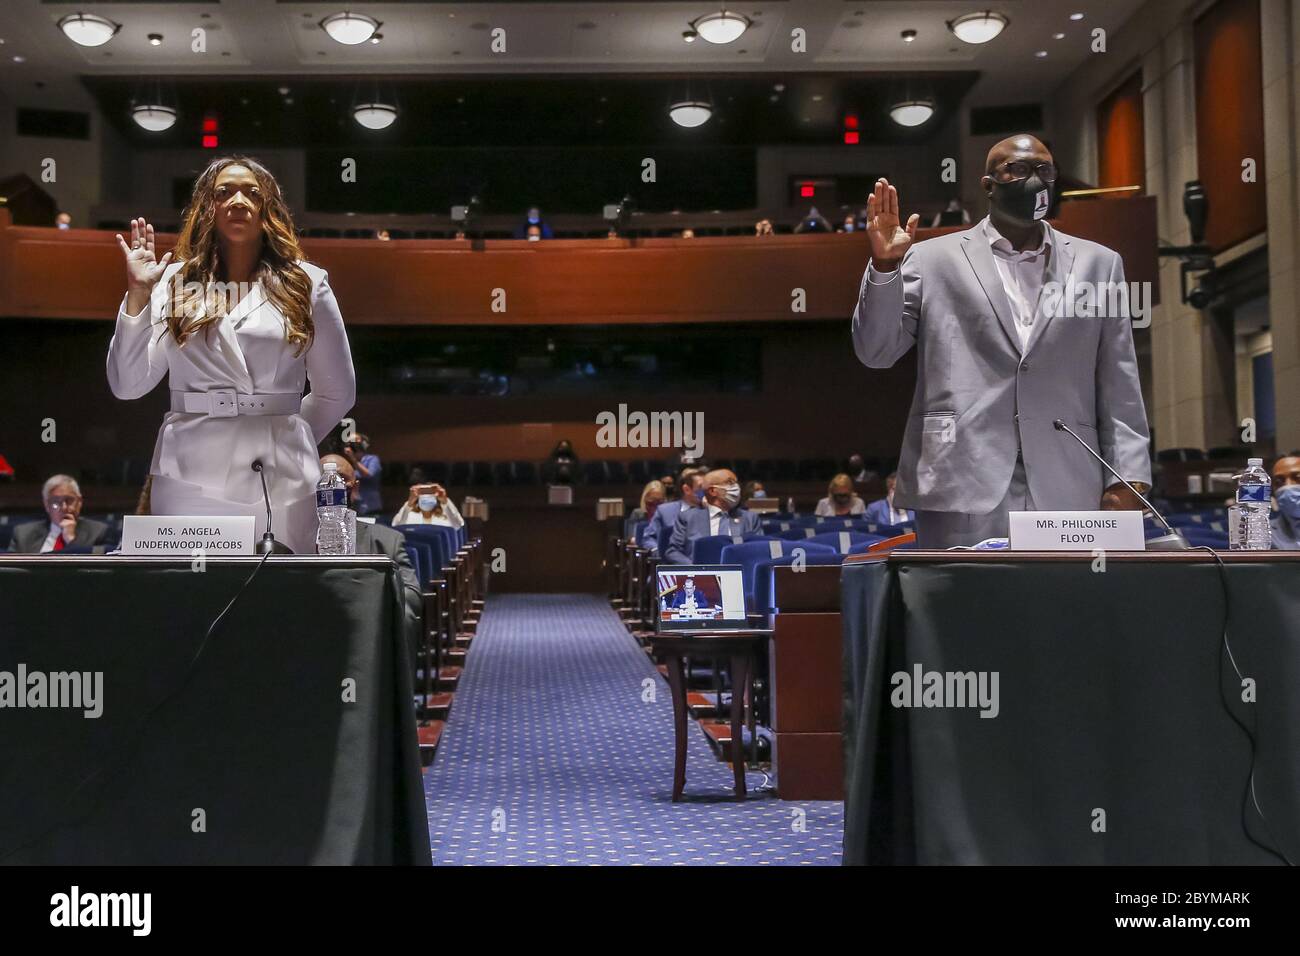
(88, 29)
(376, 38)
(153, 117)
(721, 27)
(375, 115)
(817, 98)
(350, 28)
(978, 27)
(689, 36)
(690, 113)
(1076, 16)
(912, 112)
(908, 36)
(155, 39)
(20, 59)
(283, 91)
(1058, 36)
(779, 87)
(1041, 54)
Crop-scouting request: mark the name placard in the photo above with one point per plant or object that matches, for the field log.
(1077, 531)
(183, 535)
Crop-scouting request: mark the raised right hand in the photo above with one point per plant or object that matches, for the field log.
(143, 270)
(889, 240)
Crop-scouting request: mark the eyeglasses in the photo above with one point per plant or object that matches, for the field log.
(64, 502)
(1017, 169)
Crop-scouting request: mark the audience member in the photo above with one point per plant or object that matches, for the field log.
(951, 215)
(764, 228)
(652, 497)
(721, 514)
(534, 227)
(858, 470)
(65, 529)
(562, 469)
(383, 236)
(368, 468)
(670, 487)
(813, 222)
(884, 512)
(428, 504)
(660, 529)
(1286, 489)
(63, 221)
(840, 500)
(753, 489)
(849, 224)
(688, 233)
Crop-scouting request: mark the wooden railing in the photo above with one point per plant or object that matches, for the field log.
(78, 274)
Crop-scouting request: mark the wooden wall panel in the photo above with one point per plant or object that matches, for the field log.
(1121, 148)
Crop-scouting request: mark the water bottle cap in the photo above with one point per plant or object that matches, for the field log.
(1254, 462)
(331, 466)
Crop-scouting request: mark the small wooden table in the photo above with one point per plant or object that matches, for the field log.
(742, 648)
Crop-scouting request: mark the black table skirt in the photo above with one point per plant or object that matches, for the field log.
(251, 755)
(1112, 690)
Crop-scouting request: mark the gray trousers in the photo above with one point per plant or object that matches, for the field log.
(950, 529)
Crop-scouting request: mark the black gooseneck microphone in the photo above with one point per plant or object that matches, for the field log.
(268, 544)
(1171, 540)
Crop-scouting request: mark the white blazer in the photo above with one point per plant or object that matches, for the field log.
(201, 465)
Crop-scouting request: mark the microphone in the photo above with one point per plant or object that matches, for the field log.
(1171, 540)
(268, 544)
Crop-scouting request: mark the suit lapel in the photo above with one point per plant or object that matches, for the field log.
(1060, 263)
(980, 257)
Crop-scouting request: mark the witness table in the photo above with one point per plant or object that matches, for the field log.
(288, 738)
(1112, 741)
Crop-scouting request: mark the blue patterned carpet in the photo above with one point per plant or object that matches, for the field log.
(553, 756)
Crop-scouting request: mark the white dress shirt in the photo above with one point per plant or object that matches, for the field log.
(716, 515)
(53, 536)
(1022, 276)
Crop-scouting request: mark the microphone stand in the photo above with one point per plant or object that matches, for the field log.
(268, 544)
(1171, 540)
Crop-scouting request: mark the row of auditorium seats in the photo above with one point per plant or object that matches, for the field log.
(477, 474)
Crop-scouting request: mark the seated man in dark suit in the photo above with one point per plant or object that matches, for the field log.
(378, 539)
(721, 514)
(688, 598)
(66, 529)
(660, 528)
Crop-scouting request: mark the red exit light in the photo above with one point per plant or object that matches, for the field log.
(851, 137)
(209, 141)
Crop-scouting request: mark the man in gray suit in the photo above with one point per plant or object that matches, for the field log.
(1016, 325)
(719, 514)
(660, 529)
(65, 530)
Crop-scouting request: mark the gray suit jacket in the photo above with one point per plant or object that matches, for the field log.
(29, 536)
(693, 524)
(978, 399)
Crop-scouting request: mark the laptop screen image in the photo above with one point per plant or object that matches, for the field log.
(696, 598)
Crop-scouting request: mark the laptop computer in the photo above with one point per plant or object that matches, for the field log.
(695, 598)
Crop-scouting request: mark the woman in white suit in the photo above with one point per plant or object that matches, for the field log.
(239, 322)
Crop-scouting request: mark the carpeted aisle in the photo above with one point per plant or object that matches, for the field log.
(554, 755)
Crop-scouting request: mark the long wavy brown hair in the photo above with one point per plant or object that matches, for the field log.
(195, 302)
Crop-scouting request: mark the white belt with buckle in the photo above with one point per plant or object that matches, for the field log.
(227, 403)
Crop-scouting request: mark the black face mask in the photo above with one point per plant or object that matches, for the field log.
(1026, 201)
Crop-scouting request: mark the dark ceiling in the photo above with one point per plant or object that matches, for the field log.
(534, 111)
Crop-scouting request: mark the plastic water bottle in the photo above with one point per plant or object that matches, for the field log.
(335, 534)
(1254, 488)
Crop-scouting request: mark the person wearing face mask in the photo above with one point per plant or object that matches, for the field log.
(884, 511)
(721, 514)
(660, 529)
(996, 364)
(428, 504)
(1286, 491)
(840, 501)
(653, 496)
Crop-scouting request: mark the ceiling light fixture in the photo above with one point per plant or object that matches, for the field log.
(912, 112)
(375, 115)
(908, 36)
(88, 29)
(155, 39)
(153, 117)
(350, 28)
(690, 113)
(721, 27)
(978, 27)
